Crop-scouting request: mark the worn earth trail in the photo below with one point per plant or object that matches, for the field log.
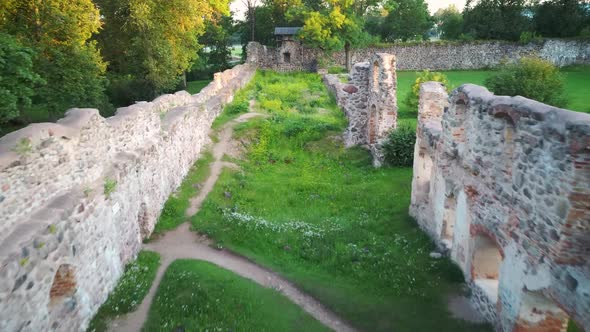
(182, 243)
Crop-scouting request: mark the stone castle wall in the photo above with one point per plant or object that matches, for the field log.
(433, 56)
(503, 185)
(369, 102)
(77, 198)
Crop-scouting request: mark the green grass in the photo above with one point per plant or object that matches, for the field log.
(236, 50)
(239, 105)
(199, 296)
(322, 216)
(194, 87)
(577, 88)
(173, 213)
(130, 290)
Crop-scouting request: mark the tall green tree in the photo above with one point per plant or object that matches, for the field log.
(17, 78)
(216, 55)
(450, 22)
(150, 44)
(336, 25)
(406, 20)
(496, 19)
(561, 18)
(59, 32)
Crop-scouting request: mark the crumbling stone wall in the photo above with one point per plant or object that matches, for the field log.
(369, 101)
(77, 198)
(503, 185)
(429, 55)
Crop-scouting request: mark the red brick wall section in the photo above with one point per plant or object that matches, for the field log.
(64, 283)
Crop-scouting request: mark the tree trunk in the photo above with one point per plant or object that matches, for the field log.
(252, 22)
(348, 56)
(184, 80)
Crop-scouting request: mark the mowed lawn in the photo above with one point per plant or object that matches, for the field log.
(199, 296)
(194, 87)
(577, 87)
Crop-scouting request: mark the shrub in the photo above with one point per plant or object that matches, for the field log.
(426, 76)
(530, 77)
(237, 107)
(337, 70)
(530, 37)
(399, 147)
(585, 33)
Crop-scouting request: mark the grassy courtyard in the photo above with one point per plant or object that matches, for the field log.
(322, 216)
(315, 212)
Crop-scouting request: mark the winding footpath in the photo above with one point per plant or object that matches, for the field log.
(182, 243)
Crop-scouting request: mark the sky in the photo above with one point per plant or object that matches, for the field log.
(238, 7)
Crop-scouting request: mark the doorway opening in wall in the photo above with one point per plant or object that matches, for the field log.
(287, 57)
(372, 130)
(485, 266)
(448, 226)
(540, 313)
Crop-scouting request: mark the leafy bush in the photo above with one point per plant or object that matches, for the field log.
(399, 147)
(237, 107)
(17, 77)
(530, 37)
(530, 77)
(426, 76)
(337, 70)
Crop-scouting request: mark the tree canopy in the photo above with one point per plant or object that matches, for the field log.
(154, 42)
(63, 55)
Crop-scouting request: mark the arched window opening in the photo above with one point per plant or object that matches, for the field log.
(375, 76)
(449, 217)
(485, 265)
(372, 126)
(64, 284)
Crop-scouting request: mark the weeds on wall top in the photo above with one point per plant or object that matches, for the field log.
(23, 147)
(109, 187)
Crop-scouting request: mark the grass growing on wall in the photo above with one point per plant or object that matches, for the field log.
(322, 216)
(199, 296)
(173, 213)
(130, 290)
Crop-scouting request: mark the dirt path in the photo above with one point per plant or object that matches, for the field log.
(182, 243)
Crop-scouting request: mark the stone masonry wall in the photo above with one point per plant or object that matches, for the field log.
(369, 102)
(433, 56)
(503, 185)
(77, 198)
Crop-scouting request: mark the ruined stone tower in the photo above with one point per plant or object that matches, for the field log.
(369, 101)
